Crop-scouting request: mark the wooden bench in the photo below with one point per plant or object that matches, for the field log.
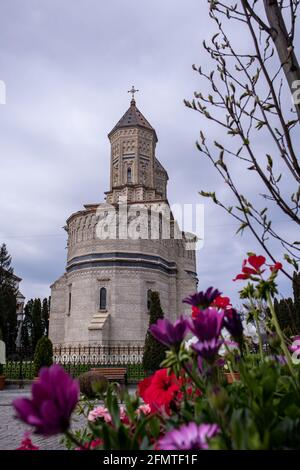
(113, 374)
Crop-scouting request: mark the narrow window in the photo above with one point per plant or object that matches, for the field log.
(70, 303)
(148, 299)
(160, 226)
(129, 178)
(102, 298)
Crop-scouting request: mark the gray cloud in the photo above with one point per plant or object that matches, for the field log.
(67, 66)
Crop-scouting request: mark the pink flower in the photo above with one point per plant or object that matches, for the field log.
(100, 413)
(143, 409)
(26, 443)
(123, 415)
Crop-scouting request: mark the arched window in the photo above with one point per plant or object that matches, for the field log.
(129, 175)
(102, 298)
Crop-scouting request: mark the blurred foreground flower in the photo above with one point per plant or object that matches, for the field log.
(27, 444)
(54, 397)
(233, 323)
(189, 437)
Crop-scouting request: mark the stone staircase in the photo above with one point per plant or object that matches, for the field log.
(98, 321)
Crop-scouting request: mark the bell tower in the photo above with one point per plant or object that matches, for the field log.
(134, 170)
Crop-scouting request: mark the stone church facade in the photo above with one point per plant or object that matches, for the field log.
(120, 250)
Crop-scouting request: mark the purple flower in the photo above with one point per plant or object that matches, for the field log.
(232, 322)
(202, 300)
(208, 349)
(207, 327)
(54, 397)
(279, 359)
(188, 437)
(208, 324)
(170, 334)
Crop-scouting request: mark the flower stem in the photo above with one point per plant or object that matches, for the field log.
(228, 360)
(74, 439)
(194, 378)
(261, 351)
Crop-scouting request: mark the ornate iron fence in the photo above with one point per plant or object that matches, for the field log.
(14, 370)
(110, 355)
(78, 359)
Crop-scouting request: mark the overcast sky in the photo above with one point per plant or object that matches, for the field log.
(67, 66)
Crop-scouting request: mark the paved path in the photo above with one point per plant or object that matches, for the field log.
(12, 430)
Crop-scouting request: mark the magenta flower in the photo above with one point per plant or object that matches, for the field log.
(168, 333)
(54, 397)
(232, 322)
(207, 327)
(203, 300)
(295, 346)
(188, 437)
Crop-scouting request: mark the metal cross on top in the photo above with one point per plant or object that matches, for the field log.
(132, 91)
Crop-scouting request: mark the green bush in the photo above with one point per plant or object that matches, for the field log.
(288, 310)
(154, 352)
(1, 365)
(43, 354)
(92, 383)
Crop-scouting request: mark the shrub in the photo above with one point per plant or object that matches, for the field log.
(288, 310)
(92, 383)
(154, 352)
(43, 355)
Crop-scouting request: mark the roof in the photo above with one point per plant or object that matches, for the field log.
(160, 166)
(133, 117)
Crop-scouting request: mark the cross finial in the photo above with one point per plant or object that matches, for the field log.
(132, 91)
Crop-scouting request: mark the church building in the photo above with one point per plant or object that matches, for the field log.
(122, 249)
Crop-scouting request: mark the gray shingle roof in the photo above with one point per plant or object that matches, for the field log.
(133, 117)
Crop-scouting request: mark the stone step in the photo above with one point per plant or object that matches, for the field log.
(98, 320)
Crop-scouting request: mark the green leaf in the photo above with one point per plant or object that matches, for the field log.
(242, 227)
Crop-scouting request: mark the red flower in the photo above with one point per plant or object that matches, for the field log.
(241, 277)
(221, 302)
(195, 311)
(256, 262)
(160, 389)
(143, 385)
(27, 444)
(276, 267)
(91, 445)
